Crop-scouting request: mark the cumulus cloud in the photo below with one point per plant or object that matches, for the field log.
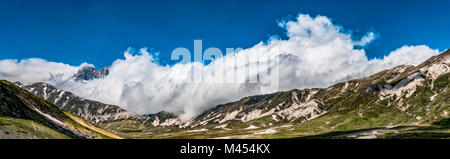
(366, 39)
(413, 54)
(34, 69)
(317, 53)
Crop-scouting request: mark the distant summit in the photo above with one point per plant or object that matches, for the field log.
(87, 73)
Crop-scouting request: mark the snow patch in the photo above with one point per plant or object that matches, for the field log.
(255, 114)
(173, 121)
(436, 70)
(274, 117)
(155, 122)
(59, 97)
(221, 126)
(368, 137)
(267, 131)
(251, 127)
(309, 110)
(311, 94)
(283, 126)
(432, 97)
(230, 116)
(49, 117)
(45, 93)
(199, 130)
(345, 86)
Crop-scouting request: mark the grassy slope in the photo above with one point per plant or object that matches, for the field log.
(27, 129)
(17, 105)
(89, 127)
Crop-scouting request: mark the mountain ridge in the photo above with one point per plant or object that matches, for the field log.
(91, 110)
(24, 115)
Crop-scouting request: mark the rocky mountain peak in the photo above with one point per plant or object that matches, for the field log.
(17, 83)
(87, 73)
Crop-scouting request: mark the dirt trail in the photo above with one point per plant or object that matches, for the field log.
(94, 128)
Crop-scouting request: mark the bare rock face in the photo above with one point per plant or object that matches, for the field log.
(87, 73)
(163, 119)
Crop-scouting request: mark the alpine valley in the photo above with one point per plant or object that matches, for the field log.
(403, 102)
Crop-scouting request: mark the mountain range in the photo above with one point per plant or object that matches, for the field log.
(403, 102)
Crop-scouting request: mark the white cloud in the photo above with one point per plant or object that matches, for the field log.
(317, 53)
(409, 55)
(34, 69)
(366, 39)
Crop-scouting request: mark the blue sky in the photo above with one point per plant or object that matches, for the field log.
(98, 32)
